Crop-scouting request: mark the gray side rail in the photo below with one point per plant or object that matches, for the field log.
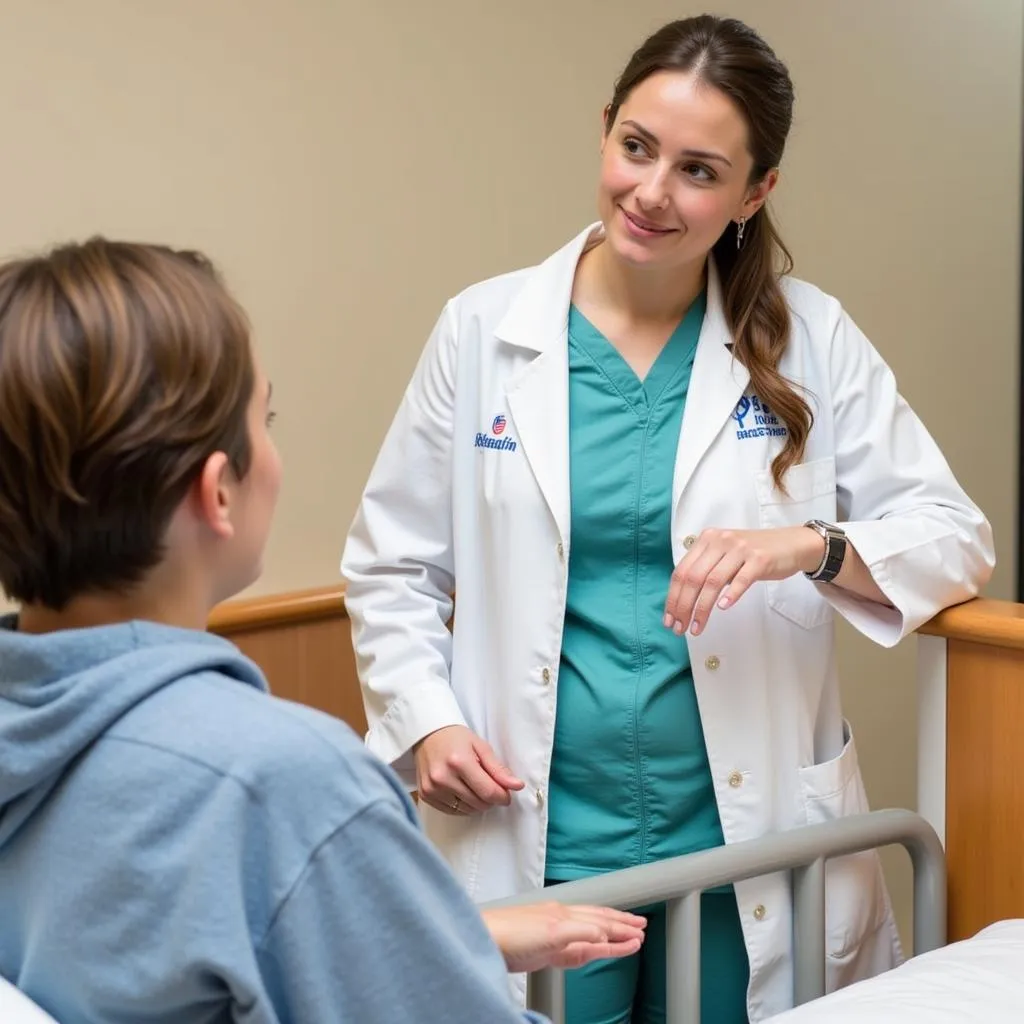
(679, 882)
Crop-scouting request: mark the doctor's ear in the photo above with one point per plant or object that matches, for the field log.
(606, 124)
(759, 193)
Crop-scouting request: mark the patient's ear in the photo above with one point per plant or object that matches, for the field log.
(212, 493)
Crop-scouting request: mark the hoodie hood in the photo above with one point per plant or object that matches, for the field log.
(59, 692)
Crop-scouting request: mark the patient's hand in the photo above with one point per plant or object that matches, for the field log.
(555, 935)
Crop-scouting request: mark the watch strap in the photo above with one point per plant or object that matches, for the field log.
(835, 551)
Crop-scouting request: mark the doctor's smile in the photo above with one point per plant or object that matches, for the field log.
(643, 227)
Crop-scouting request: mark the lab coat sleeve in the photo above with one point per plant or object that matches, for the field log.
(399, 567)
(925, 543)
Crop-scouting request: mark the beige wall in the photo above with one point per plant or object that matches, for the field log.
(351, 165)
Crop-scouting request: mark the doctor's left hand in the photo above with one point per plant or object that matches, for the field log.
(723, 564)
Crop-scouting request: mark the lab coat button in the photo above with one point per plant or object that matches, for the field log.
(540, 798)
(735, 780)
(759, 912)
(689, 541)
(561, 551)
(712, 663)
(546, 674)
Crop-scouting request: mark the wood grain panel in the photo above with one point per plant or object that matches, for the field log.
(984, 785)
(286, 609)
(983, 621)
(303, 644)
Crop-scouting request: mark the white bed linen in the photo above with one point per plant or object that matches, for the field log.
(980, 979)
(16, 1008)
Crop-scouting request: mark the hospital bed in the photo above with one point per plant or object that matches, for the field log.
(980, 979)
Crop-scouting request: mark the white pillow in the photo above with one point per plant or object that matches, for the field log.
(17, 1008)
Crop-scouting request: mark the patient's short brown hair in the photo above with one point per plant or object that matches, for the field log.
(123, 367)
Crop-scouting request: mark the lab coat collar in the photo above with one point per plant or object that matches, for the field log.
(538, 316)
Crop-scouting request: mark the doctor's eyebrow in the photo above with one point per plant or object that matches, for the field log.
(699, 154)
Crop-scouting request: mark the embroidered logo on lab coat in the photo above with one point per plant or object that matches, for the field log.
(496, 438)
(755, 419)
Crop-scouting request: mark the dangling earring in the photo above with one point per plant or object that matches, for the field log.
(740, 228)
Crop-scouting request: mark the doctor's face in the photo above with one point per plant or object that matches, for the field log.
(675, 169)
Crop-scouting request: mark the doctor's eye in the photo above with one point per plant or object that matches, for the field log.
(634, 147)
(699, 173)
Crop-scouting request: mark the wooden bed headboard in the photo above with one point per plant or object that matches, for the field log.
(970, 725)
(970, 760)
(303, 643)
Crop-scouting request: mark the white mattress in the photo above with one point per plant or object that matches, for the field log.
(980, 979)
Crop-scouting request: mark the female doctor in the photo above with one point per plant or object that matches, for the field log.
(653, 467)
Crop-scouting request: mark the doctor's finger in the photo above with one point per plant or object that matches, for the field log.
(447, 803)
(679, 577)
(739, 585)
(718, 579)
(485, 791)
(690, 577)
(442, 788)
(490, 764)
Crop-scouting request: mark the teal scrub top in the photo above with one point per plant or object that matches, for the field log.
(630, 781)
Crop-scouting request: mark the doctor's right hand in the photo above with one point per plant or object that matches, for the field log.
(457, 772)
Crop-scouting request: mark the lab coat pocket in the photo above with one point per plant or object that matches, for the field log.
(810, 494)
(854, 898)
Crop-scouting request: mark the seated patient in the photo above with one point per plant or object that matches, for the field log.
(175, 844)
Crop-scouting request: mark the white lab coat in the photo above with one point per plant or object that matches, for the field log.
(471, 488)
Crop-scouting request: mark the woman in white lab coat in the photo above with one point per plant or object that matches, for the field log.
(653, 467)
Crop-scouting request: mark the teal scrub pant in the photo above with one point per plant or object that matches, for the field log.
(632, 990)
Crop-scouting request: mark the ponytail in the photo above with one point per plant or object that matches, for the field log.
(757, 315)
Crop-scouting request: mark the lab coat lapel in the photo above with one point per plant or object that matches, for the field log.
(538, 396)
(717, 384)
(538, 402)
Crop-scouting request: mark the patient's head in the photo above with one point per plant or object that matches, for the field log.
(137, 476)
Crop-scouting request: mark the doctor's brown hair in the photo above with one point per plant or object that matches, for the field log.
(733, 58)
(123, 367)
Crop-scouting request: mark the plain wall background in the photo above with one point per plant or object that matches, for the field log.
(350, 166)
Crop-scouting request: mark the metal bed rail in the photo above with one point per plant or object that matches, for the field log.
(679, 882)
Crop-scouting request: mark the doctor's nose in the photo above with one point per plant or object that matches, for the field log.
(652, 192)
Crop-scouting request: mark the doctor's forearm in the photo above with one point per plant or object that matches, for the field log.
(855, 577)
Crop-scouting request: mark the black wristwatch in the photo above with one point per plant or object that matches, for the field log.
(835, 551)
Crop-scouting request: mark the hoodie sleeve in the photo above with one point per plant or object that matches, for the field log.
(376, 929)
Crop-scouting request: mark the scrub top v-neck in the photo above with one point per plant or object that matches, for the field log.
(630, 781)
